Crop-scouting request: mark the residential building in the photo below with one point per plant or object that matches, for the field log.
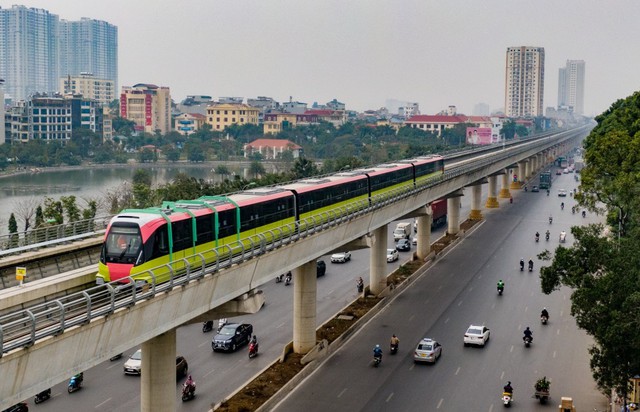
(195, 104)
(263, 103)
(89, 86)
(89, 46)
(49, 118)
(107, 124)
(571, 86)
(434, 123)
(274, 123)
(221, 115)
(270, 148)
(294, 107)
(335, 117)
(231, 100)
(2, 120)
(524, 81)
(85, 113)
(148, 105)
(28, 51)
(17, 123)
(408, 110)
(189, 123)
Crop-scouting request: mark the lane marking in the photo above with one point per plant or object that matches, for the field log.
(526, 308)
(457, 370)
(114, 365)
(203, 343)
(389, 397)
(208, 373)
(459, 303)
(342, 392)
(280, 325)
(102, 403)
(502, 376)
(561, 312)
(491, 408)
(554, 354)
(471, 289)
(558, 332)
(446, 320)
(412, 366)
(331, 291)
(493, 306)
(511, 350)
(440, 403)
(411, 317)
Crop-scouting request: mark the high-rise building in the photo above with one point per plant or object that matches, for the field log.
(89, 86)
(524, 82)
(148, 105)
(28, 51)
(571, 86)
(36, 49)
(1, 113)
(89, 46)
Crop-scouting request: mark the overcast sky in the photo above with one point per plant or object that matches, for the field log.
(362, 52)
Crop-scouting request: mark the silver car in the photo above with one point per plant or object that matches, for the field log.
(428, 350)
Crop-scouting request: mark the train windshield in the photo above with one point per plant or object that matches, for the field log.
(123, 245)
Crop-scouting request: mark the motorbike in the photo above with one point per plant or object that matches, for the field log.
(75, 383)
(188, 391)
(546, 236)
(506, 399)
(522, 266)
(207, 326)
(550, 220)
(42, 396)
(537, 238)
(377, 360)
(561, 206)
(115, 357)
(500, 290)
(253, 349)
(287, 279)
(584, 214)
(279, 278)
(530, 266)
(393, 348)
(527, 341)
(544, 319)
(563, 237)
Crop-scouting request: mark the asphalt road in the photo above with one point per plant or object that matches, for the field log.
(218, 375)
(456, 292)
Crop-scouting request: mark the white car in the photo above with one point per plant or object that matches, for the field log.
(562, 192)
(392, 255)
(133, 364)
(428, 350)
(476, 335)
(341, 257)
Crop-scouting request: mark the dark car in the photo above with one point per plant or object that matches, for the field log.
(232, 336)
(18, 407)
(321, 268)
(182, 367)
(403, 245)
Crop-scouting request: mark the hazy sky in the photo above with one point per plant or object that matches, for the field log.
(362, 52)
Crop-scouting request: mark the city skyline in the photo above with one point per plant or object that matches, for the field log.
(363, 53)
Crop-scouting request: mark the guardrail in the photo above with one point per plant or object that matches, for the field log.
(51, 235)
(24, 327)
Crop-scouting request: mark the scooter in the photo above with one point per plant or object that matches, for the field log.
(253, 349)
(115, 357)
(544, 320)
(500, 290)
(530, 267)
(537, 238)
(75, 383)
(287, 279)
(550, 220)
(546, 237)
(188, 391)
(279, 278)
(393, 348)
(521, 266)
(42, 396)
(506, 399)
(207, 326)
(527, 341)
(377, 360)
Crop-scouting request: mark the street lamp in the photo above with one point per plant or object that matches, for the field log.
(249, 185)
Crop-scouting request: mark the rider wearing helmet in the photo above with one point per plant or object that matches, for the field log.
(500, 284)
(528, 334)
(394, 340)
(508, 388)
(521, 263)
(544, 313)
(377, 352)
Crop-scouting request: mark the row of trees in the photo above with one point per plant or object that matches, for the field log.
(603, 266)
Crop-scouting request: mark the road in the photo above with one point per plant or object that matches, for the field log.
(219, 374)
(461, 290)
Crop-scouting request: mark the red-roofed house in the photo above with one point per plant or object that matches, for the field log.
(434, 123)
(188, 123)
(269, 148)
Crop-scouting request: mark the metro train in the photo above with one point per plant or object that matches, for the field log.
(139, 240)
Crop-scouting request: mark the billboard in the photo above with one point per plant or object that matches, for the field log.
(479, 135)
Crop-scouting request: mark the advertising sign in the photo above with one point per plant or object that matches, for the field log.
(123, 106)
(147, 110)
(479, 135)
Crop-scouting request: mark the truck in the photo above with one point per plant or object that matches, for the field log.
(439, 214)
(545, 180)
(402, 231)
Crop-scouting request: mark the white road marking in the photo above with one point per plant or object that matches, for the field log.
(342, 392)
(457, 370)
(439, 287)
(561, 312)
(412, 366)
(331, 291)
(411, 317)
(440, 403)
(459, 303)
(491, 408)
(526, 308)
(493, 306)
(113, 365)
(204, 343)
(280, 325)
(502, 376)
(446, 320)
(470, 289)
(208, 373)
(100, 404)
(554, 354)
(511, 350)
(558, 332)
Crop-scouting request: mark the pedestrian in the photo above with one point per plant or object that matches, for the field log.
(360, 284)
(510, 199)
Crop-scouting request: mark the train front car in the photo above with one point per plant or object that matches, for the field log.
(123, 246)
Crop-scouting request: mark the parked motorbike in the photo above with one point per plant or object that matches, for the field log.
(207, 326)
(506, 399)
(188, 391)
(527, 341)
(253, 349)
(75, 383)
(42, 396)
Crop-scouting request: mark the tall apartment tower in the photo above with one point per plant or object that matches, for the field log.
(524, 82)
(1, 113)
(571, 86)
(28, 51)
(89, 46)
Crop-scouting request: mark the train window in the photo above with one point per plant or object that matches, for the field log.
(182, 235)
(159, 243)
(205, 229)
(227, 223)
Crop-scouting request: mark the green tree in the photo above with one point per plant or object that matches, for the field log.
(146, 155)
(256, 168)
(70, 206)
(223, 170)
(53, 210)
(508, 129)
(172, 154)
(39, 216)
(142, 176)
(303, 167)
(13, 231)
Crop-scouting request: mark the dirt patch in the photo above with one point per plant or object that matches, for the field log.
(258, 391)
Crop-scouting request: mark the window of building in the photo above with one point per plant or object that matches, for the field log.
(225, 120)
(242, 120)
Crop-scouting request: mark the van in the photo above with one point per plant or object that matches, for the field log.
(402, 231)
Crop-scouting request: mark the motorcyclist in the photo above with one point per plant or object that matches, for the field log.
(190, 384)
(522, 264)
(508, 388)
(550, 219)
(254, 340)
(562, 205)
(547, 234)
(377, 352)
(563, 235)
(537, 236)
(584, 213)
(544, 313)
(528, 334)
(360, 284)
(394, 340)
(547, 192)
(79, 377)
(500, 285)
(530, 264)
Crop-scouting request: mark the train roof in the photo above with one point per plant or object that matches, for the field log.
(317, 183)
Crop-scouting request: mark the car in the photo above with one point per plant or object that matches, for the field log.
(231, 337)
(321, 268)
(476, 335)
(341, 257)
(133, 365)
(565, 171)
(558, 172)
(562, 192)
(414, 240)
(18, 407)
(535, 189)
(428, 350)
(392, 255)
(403, 245)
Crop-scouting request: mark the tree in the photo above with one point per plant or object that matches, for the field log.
(39, 217)
(25, 210)
(303, 168)
(142, 176)
(13, 231)
(172, 154)
(53, 210)
(70, 207)
(256, 168)
(146, 155)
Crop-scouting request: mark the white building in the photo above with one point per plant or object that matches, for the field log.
(1, 113)
(89, 86)
(571, 86)
(524, 82)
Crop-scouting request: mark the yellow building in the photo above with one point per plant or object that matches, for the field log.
(221, 115)
(276, 122)
(148, 105)
(90, 87)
